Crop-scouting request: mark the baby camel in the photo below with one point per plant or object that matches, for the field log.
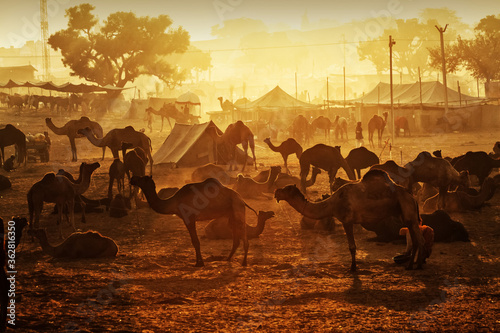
(220, 228)
(286, 148)
(199, 202)
(90, 244)
(375, 198)
(249, 188)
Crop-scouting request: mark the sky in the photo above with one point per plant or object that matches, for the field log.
(19, 20)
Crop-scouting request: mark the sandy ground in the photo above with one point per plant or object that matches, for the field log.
(296, 280)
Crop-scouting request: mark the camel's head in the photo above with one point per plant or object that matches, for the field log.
(267, 140)
(90, 167)
(219, 98)
(287, 193)
(338, 183)
(265, 215)
(127, 145)
(437, 153)
(144, 182)
(464, 178)
(316, 171)
(275, 169)
(84, 131)
(496, 147)
(48, 120)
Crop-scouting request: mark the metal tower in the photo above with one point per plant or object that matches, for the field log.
(44, 27)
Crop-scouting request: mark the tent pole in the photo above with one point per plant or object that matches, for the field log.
(391, 43)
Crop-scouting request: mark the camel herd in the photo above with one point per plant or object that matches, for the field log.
(387, 198)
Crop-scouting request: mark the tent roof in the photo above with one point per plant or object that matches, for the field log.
(277, 98)
(409, 94)
(65, 87)
(181, 139)
(188, 98)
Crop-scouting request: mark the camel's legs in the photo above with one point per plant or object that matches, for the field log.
(417, 241)
(252, 148)
(73, 149)
(441, 197)
(285, 158)
(332, 173)
(304, 171)
(244, 144)
(349, 232)
(191, 226)
(239, 232)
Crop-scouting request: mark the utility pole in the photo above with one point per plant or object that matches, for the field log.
(44, 28)
(391, 44)
(441, 32)
(343, 37)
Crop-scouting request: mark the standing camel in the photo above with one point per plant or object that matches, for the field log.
(301, 129)
(10, 135)
(115, 138)
(361, 158)
(286, 148)
(235, 134)
(227, 106)
(199, 202)
(377, 123)
(368, 202)
(401, 123)
(70, 129)
(340, 127)
(322, 123)
(168, 110)
(324, 157)
(61, 191)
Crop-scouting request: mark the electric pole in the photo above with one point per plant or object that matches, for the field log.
(441, 31)
(44, 28)
(391, 44)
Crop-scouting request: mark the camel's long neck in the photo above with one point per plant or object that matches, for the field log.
(93, 140)
(313, 210)
(495, 163)
(253, 232)
(312, 180)
(46, 247)
(55, 129)
(272, 178)
(348, 169)
(167, 206)
(84, 183)
(271, 146)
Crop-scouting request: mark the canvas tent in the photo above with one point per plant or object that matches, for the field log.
(192, 145)
(409, 94)
(277, 99)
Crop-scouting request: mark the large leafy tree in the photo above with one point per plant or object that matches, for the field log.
(120, 49)
(478, 55)
(413, 39)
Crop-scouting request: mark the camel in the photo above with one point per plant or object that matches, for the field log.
(375, 198)
(118, 206)
(286, 148)
(340, 127)
(324, 225)
(4, 183)
(401, 123)
(9, 164)
(212, 171)
(10, 135)
(361, 158)
(168, 110)
(61, 191)
(167, 192)
(78, 245)
(235, 134)
(301, 129)
(458, 201)
(496, 149)
(220, 228)
(70, 129)
(285, 179)
(398, 174)
(249, 188)
(114, 138)
(226, 106)
(437, 172)
(116, 171)
(477, 163)
(134, 164)
(445, 229)
(325, 157)
(322, 123)
(199, 202)
(377, 123)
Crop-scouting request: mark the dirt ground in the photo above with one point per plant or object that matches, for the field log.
(296, 280)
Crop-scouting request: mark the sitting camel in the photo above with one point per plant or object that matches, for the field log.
(361, 158)
(119, 206)
(249, 188)
(437, 172)
(199, 202)
(286, 148)
(4, 183)
(212, 171)
(220, 228)
(375, 198)
(285, 179)
(61, 191)
(445, 229)
(90, 244)
(477, 163)
(167, 192)
(325, 157)
(458, 201)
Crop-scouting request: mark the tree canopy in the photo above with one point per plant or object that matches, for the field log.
(120, 49)
(478, 55)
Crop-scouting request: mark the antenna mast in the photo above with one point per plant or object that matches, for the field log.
(44, 27)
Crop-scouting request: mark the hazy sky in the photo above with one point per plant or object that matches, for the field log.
(19, 20)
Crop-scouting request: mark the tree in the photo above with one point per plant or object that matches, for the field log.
(478, 55)
(120, 49)
(237, 28)
(413, 39)
(193, 61)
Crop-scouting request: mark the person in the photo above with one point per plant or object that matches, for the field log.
(149, 118)
(359, 135)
